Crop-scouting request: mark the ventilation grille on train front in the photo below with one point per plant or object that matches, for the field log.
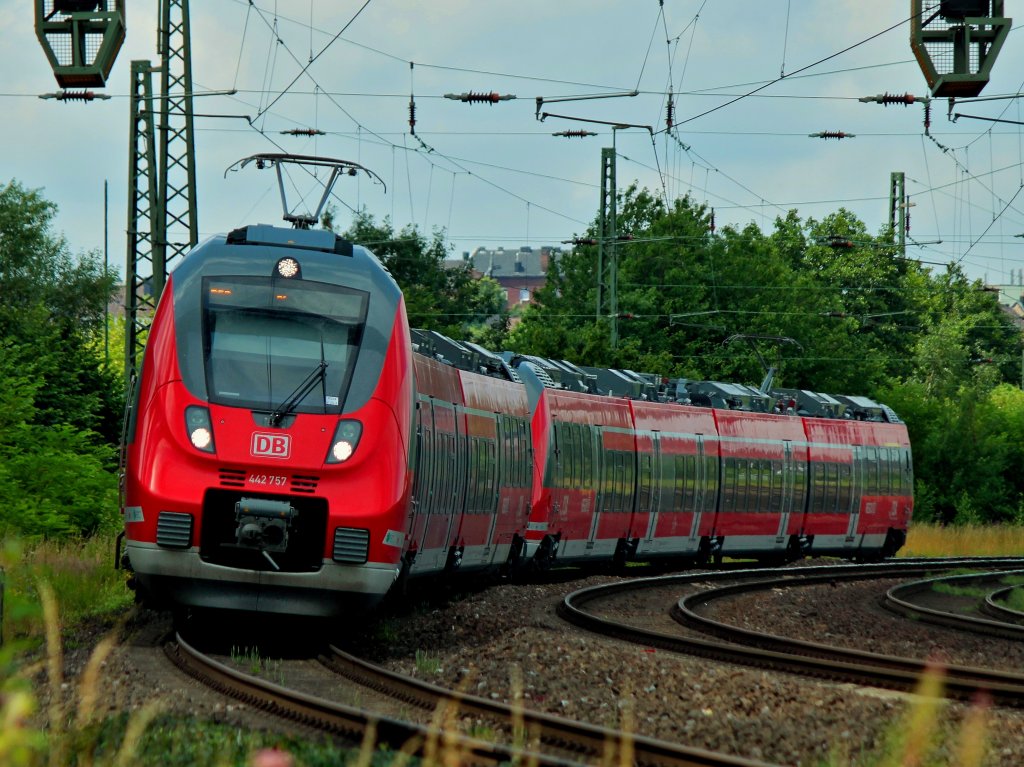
(174, 530)
(351, 545)
(232, 478)
(304, 483)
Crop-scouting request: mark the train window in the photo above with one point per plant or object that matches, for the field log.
(457, 484)
(577, 455)
(711, 481)
(764, 495)
(742, 489)
(476, 476)
(678, 482)
(644, 483)
(588, 457)
(523, 454)
(833, 485)
(428, 467)
(774, 469)
(696, 480)
(845, 487)
(817, 487)
(729, 498)
(440, 475)
(798, 484)
(628, 481)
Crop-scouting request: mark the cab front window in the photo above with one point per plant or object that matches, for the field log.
(265, 339)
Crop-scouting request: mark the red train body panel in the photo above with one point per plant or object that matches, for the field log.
(290, 450)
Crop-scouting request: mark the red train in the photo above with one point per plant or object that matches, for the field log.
(292, 447)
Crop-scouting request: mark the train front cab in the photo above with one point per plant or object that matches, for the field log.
(227, 506)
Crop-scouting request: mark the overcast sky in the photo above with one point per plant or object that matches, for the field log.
(493, 174)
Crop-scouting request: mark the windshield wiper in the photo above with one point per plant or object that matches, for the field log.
(317, 375)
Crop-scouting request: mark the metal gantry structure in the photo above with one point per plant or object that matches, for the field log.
(898, 203)
(162, 221)
(607, 257)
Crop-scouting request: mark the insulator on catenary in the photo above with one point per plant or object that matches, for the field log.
(832, 134)
(574, 133)
(669, 112)
(75, 96)
(472, 97)
(412, 116)
(885, 99)
(303, 132)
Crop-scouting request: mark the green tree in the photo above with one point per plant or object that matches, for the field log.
(446, 299)
(52, 306)
(59, 407)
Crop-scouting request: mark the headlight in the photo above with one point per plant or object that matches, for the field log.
(346, 438)
(197, 424)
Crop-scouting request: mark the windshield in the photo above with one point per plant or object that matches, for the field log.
(263, 336)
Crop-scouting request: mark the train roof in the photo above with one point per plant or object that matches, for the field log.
(546, 373)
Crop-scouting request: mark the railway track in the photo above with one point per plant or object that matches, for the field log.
(791, 655)
(546, 741)
(906, 599)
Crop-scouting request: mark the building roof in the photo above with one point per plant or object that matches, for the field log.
(510, 262)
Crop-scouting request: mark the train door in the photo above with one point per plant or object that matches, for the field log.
(600, 483)
(422, 504)
(786, 478)
(701, 483)
(492, 501)
(857, 490)
(650, 477)
(445, 469)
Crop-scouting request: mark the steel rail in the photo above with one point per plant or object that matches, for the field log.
(900, 599)
(995, 605)
(780, 653)
(352, 724)
(585, 741)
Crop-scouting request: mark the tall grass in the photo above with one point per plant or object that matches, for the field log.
(929, 540)
(81, 575)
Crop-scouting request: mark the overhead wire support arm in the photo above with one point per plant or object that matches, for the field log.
(541, 101)
(958, 115)
(615, 124)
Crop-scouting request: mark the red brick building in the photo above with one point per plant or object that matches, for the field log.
(521, 272)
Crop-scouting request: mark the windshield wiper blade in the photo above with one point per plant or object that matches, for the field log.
(317, 375)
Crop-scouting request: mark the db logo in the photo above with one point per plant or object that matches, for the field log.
(271, 445)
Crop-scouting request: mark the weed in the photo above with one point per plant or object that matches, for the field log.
(955, 590)
(427, 664)
(1015, 600)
